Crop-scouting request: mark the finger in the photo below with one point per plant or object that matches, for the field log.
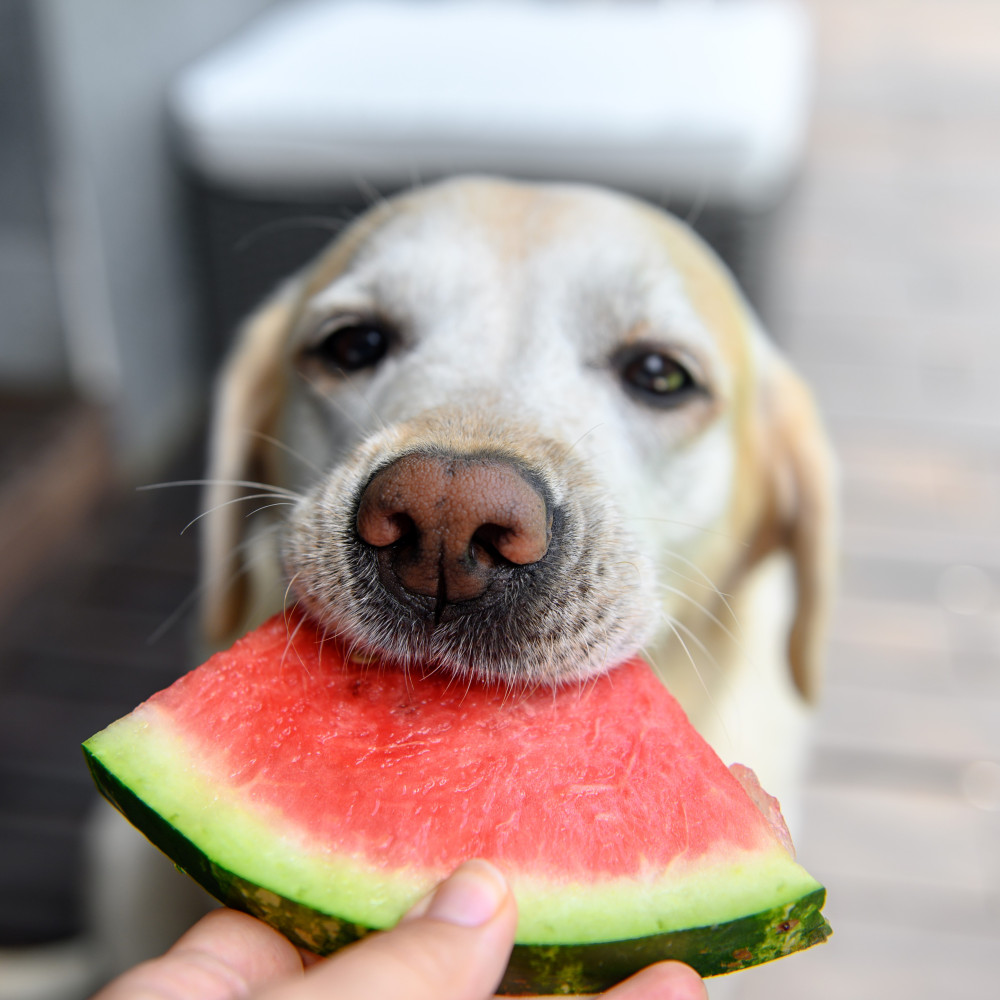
(454, 946)
(223, 957)
(663, 981)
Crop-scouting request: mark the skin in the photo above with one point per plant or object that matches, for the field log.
(452, 946)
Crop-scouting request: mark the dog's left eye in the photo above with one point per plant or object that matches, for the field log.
(657, 377)
(351, 347)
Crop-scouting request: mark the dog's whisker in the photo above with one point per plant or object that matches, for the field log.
(349, 654)
(468, 685)
(268, 506)
(350, 417)
(416, 180)
(677, 627)
(698, 204)
(530, 688)
(631, 565)
(288, 592)
(324, 635)
(246, 548)
(707, 587)
(288, 449)
(369, 192)
(701, 584)
(607, 654)
(708, 582)
(332, 225)
(572, 446)
(290, 640)
(247, 483)
(689, 524)
(284, 501)
(367, 403)
(436, 668)
(677, 592)
(329, 632)
(588, 680)
(189, 601)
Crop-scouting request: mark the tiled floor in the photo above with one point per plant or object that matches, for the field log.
(77, 651)
(888, 300)
(890, 268)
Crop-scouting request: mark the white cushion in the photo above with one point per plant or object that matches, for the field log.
(684, 97)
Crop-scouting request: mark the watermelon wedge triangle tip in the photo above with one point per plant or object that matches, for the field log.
(326, 796)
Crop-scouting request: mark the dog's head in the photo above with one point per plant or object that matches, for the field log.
(520, 416)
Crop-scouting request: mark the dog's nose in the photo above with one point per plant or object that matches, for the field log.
(448, 525)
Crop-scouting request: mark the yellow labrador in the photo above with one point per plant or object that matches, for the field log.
(522, 432)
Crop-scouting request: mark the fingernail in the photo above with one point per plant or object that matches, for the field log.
(470, 897)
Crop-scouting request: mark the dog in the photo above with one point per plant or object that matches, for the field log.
(520, 432)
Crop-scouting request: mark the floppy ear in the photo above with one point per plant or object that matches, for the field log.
(248, 402)
(801, 513)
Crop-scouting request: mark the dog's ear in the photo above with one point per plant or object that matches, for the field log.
(800, 513)
(248, 403)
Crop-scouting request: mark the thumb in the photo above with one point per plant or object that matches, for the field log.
(454, 945)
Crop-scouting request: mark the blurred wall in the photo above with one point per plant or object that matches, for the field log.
(128, 315)
(31, 347)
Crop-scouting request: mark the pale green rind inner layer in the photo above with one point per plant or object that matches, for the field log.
(147, 755)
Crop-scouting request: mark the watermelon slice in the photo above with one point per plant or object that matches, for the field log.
(326, 796)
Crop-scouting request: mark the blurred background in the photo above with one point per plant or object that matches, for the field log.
(162, 165)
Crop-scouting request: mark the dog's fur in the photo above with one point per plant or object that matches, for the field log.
(695, 525)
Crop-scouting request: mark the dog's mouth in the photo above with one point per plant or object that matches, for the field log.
(494, 635)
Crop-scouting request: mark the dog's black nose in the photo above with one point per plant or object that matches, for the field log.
(446, 526)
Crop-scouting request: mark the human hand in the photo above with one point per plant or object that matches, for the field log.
(453, 945)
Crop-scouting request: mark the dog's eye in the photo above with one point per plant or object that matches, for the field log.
(658, 378)
(353, 346)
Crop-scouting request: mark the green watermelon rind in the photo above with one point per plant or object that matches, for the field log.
(533, 968)
(230, 819)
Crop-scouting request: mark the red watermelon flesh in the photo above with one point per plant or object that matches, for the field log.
(325, 794)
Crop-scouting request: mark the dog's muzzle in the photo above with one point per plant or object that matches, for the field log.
(485, 563)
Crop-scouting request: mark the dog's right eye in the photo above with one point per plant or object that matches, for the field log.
(656, 377)
(349, 347)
